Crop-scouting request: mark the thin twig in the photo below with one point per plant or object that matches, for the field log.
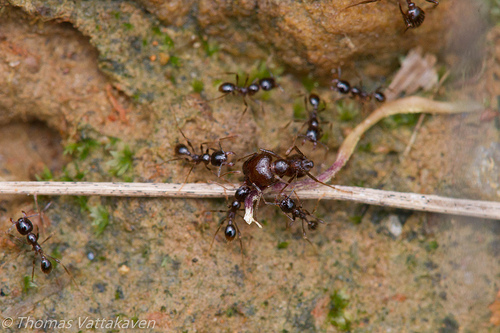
(413, 201)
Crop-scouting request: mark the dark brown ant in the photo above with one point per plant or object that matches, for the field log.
(24, 227)
(262, 172)
(218, 158)
(227, 88)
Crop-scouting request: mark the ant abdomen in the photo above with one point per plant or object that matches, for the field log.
(46, 265)
(230, 233)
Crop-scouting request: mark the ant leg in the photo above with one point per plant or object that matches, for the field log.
(185, 180)
(435, 2)
(244, 111)
(187, 140)
(270, 152)
(241, 244)
(222, 96)
(246, 156)
(216, 232)
(320, 182)
(67, 271)
(361, 3)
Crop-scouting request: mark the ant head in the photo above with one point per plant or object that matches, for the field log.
(267, 83)
(314, 100)
(23, 225)
(253, 89)
(307, 165)
(46, 265)
(181, 149)
(287, 205)
(242, 193)
(32, 238)
(281, 167)
(235, 205)
(230, 233)
(227, 87)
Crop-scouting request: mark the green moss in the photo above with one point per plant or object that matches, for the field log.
(347, 110)
(366, 148)
(197, 86)
(28, 284)
(336, 316)
(128, 26)
(401, 120)
(100, 217)
(299, 111)
(356, 219)
(122, 161)
(45, 175)
(174, 61)
(431, 246)
(81, 149)
(209, 47)
(283, 245)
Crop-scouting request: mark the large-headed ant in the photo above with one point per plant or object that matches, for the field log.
(218, 158)
(414, 15)
(24, 227)
(262, 172)
(227, 88)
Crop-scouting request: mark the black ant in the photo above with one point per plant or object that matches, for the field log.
(413, 17)
(314, 131)
(290, 206)
(24, 227)
(232, 228)
(218, 158)
(227, 88)
(344, 87)
(358, 92)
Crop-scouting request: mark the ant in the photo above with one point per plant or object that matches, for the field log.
(290, 206)
(232, 228)
(265, 84)
(344, 87)
(413, 17)
(261, 172)
(314, 131)
(218, 158)
(24, 227)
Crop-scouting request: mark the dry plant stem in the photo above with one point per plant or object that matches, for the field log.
(413, 201)
(412, 104)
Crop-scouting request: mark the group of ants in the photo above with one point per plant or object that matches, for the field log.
(261, 170)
